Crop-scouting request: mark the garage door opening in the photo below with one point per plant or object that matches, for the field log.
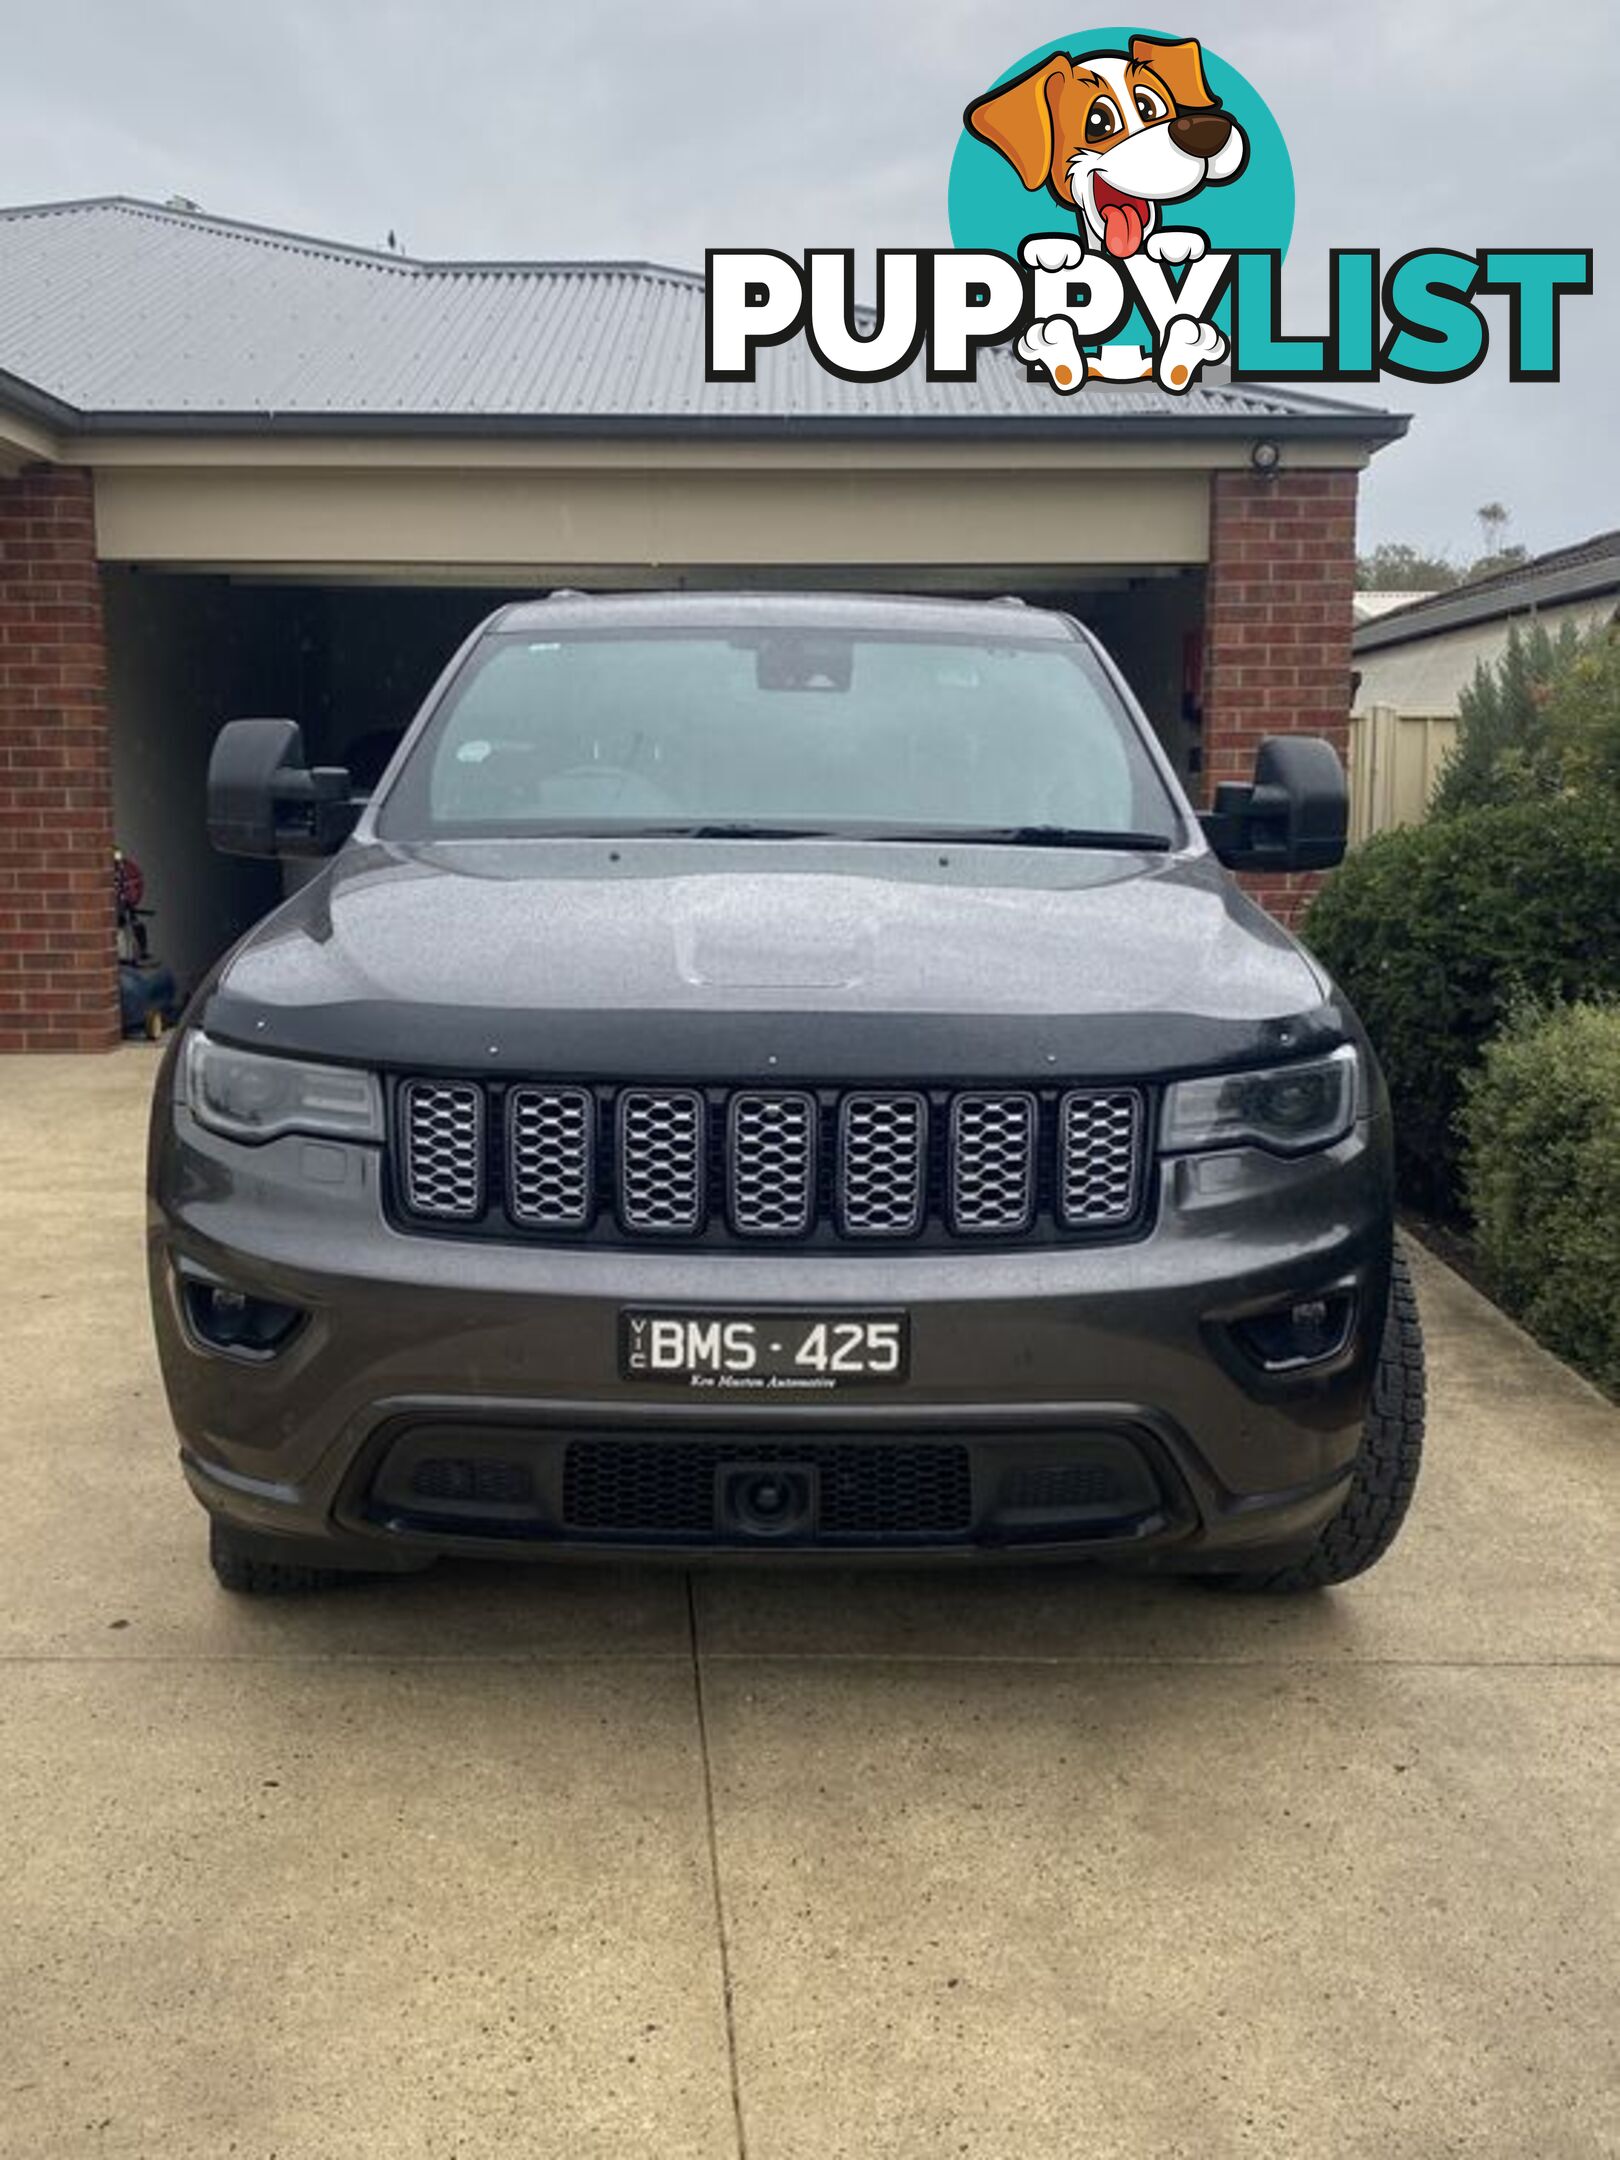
(352, 662)
(186, 653)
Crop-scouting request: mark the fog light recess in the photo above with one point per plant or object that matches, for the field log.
(1304, 1331)
(234, 1321)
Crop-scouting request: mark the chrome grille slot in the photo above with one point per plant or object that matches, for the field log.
(442, 1129)
(883, 1165)
(992, 1163)
(771, 1164)
(661, 1160)
(550, 1157)
(1099, 1154)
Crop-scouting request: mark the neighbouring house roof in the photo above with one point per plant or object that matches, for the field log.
(1588, 570)
(1370, 605)
(121, 315)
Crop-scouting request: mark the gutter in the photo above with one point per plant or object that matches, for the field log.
(1346, 424)
(1374, 429)
(32, 404)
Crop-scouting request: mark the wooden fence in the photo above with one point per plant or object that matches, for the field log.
(1395, 759)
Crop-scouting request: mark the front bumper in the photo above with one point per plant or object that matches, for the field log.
(1076, 1398)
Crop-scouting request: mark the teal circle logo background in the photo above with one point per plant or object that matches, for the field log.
(990, 207)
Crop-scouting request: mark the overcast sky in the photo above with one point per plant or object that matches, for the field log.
(524, 128)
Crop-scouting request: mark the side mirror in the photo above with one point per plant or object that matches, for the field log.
(1295, 815)
(264, 800)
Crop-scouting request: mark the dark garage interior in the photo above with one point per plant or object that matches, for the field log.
(351, 663)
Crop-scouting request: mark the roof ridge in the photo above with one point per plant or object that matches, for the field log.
(1545, 582)
(1573, 555)
(279, 236)
(1603, 543)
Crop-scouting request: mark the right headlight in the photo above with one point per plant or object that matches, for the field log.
(1287, 1108)
(250, 1095)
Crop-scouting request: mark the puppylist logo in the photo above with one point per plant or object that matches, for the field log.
(1121, 203)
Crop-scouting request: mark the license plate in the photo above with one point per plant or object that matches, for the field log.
(765, 1352)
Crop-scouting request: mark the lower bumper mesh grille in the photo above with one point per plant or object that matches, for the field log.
(667, 1488)
(473, 1478)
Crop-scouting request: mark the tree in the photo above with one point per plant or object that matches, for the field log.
(1493, 525)
(1494, 519)
(1508, 558)
(1397, 566)
(1394, 566)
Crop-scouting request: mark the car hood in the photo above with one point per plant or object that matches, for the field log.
(770, 958)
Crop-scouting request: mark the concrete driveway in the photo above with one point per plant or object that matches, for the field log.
(496, 1861)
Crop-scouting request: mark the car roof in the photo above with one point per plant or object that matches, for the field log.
(860, 613)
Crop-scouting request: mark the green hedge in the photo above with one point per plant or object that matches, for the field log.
(1435, 931)
(1542, 1177)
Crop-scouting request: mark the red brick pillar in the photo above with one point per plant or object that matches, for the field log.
(58, 972)
(1277, 623)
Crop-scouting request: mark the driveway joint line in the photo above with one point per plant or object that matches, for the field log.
(1102, 1662)
(343, 1657)
(721, 1936)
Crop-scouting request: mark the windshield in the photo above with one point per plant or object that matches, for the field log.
(779, 730)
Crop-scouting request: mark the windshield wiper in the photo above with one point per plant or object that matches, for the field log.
(726, 829)
(1047, 836)
(1075, 836)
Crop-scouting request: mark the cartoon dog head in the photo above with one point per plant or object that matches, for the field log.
(1113, 135)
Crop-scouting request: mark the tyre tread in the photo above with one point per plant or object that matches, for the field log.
(248, 1574)
(1387, 1468)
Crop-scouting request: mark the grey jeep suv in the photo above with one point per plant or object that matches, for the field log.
(780, 1074)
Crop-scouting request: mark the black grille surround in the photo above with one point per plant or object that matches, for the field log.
(783, 1166)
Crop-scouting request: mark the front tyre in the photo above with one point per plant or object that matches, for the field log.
(1386, 1469)
(243, 1565)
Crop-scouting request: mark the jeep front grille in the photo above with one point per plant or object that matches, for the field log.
(1099, 1153)
(551, 1156)
(992, 1163)
(868, 1165)
(444, 1149)
(771, 1164)
(662, 1160)
(882, 1165)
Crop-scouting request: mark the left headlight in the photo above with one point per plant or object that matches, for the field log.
(1287, 1108)
(249, 1096)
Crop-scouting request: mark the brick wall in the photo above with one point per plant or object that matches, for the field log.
(58, 974)
(1277, 623)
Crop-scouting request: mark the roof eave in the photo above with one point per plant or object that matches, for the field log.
(1374, 429)
(19, 396)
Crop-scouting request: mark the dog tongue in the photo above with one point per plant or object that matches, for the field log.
(1122, 228)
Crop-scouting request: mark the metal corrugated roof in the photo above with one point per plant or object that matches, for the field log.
(1588, 569)
(120, 313)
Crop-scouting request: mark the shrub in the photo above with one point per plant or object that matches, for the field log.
(1501, 751)
(1434, 931)
(1542, 1176)
(1583, 720)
